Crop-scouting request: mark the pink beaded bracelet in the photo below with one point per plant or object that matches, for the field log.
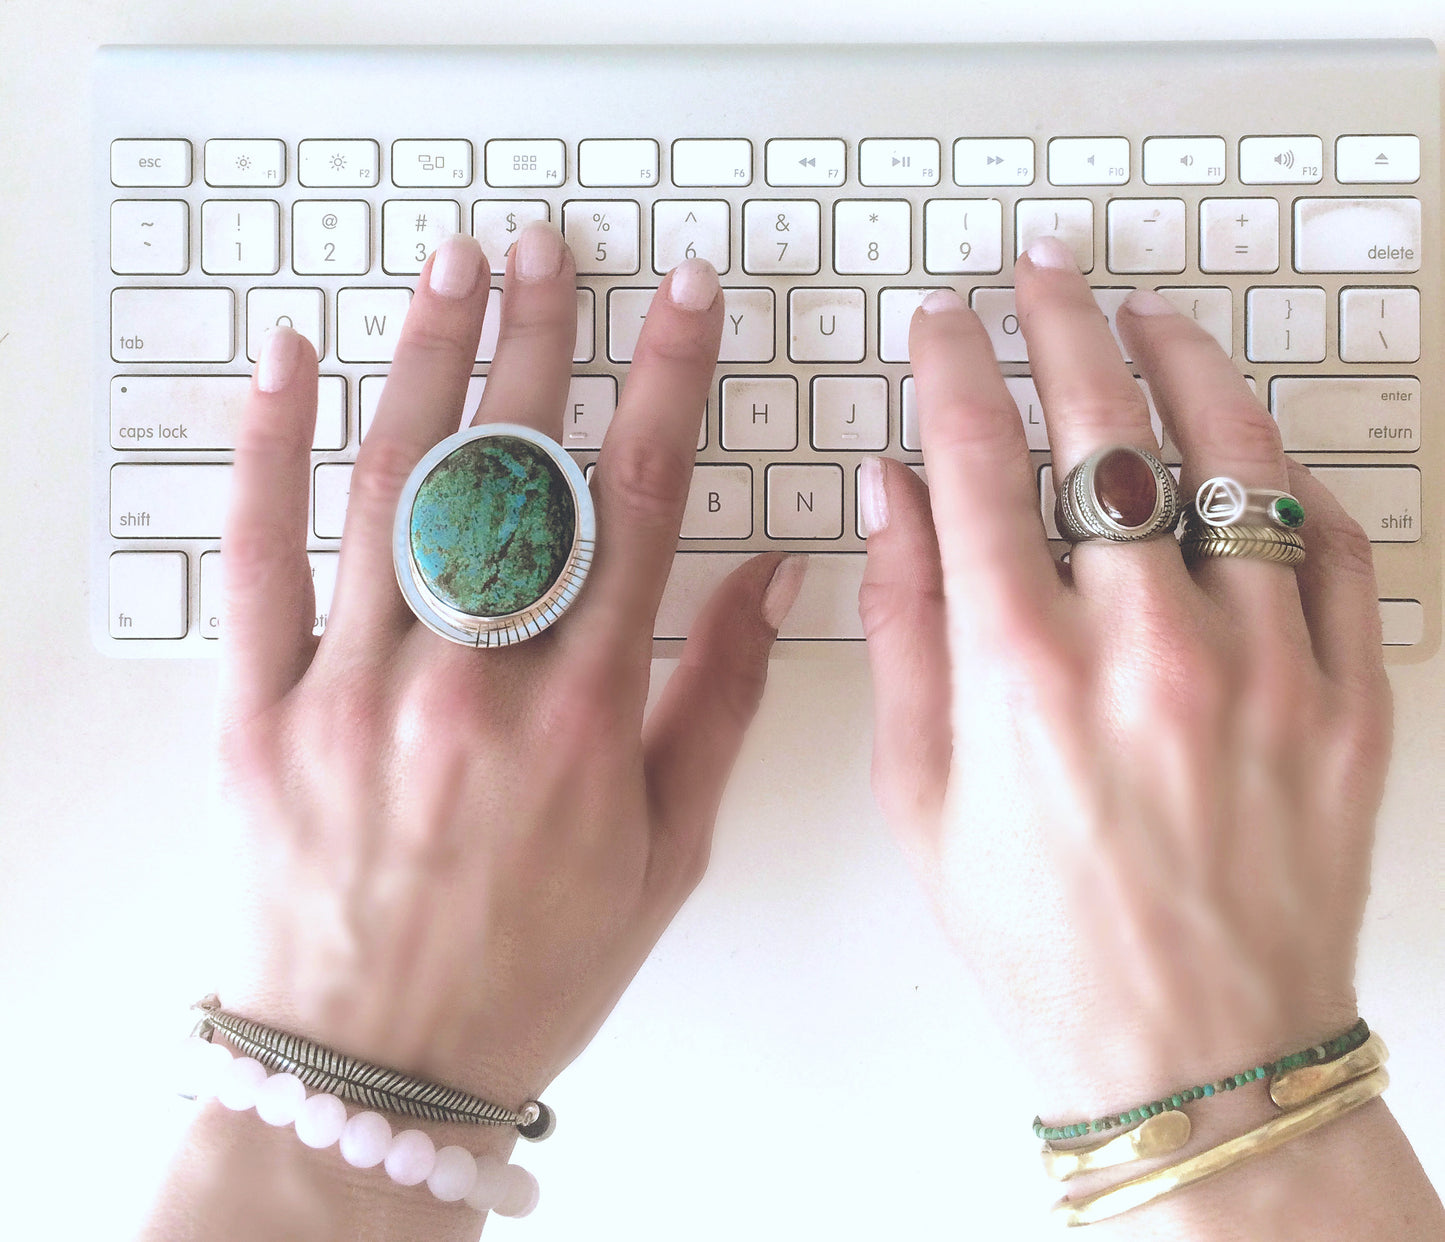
(453, 1174)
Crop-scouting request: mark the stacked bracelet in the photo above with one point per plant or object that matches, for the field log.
(452, 1174)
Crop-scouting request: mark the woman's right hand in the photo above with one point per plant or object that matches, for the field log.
(1143, 797)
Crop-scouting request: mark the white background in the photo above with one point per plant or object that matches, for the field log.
(802, 1056)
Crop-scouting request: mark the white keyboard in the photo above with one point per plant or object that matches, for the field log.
(1287, 195)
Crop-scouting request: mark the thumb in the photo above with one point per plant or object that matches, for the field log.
(901, 606)
(693, 736)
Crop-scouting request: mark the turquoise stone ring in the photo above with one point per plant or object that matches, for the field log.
(494, 535)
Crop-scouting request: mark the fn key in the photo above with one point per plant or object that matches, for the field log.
(148, 595)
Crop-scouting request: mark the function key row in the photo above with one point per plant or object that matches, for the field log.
(728, 162)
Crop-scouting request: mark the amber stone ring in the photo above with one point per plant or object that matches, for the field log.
(1118, 493)
(494, 535)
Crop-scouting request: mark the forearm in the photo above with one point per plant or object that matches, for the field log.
(237, 1179)
(1356, 1177)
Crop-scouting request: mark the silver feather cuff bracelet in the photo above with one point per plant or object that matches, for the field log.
(361, 1082)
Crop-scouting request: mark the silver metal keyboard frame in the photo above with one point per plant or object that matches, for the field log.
(850, 92)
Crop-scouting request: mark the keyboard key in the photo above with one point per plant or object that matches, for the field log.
(749, 328)
(526, 161)
(1284, 325)
(806, 161)
(1071, 220)
(1088, 161)
(369, 397)
(805, 502)
(825, 325)
(148, 595)
(587, 413)
(302, 309)
(719, 503)
(626, 309)
(1239, 235)
(826, 608)
(899, 161)
(688, 229)
(323, 585)
(149, 237)
(1402, 622)
(1347, 414)
(993, 161)
(1357, 234)
(780, 237)
(172, 325)
(245, 162)
(168, 502)
(895, 316)
(1377, 158)
(496, 223)
(999, 312)
(184, 412)
(368, 323)
(604, 234)
(872, 236)
(1146, 235)
(760, 414)
(712, 162)
(1380, 325)
(1183, 161)
(1385, 500)
(850, 413)
(330, 490)
(909, 421)
(431, 162)
(1025, 394)
(963, 235)
(150, 162)
(412, 228)
(323, 162)
(1281, 161)
(331, 238)
(1211, 308)
(617, 161)
(241, 237)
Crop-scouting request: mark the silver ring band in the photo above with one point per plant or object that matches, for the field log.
(1224, 501)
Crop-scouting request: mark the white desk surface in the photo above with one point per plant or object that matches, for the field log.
(801, 1057)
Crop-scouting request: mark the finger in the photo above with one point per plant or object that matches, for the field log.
(693, 736)
(268, 606)
(1221, 429)
(532, 369)
(1337, 586)
(420, 404)
(998, 576)
(901, 607)
(1090, 401)
(645, 465)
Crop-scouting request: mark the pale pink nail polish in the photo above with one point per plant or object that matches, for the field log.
(277, 358)
(456, 266)
(539, 252)
(872, 497)
(782, 592)
(1147, 302)
(694, 284)
(1051, 252)
(942, 300)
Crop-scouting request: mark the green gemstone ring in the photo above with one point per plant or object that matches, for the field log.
(1222, 501)
(494, 535)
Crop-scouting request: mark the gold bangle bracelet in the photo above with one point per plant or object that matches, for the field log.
(1294, 1087)
(1273, 1133)
(1159, 1135)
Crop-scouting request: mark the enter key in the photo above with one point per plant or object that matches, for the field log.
(1347, 414)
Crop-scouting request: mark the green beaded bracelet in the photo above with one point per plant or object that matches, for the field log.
(1327, 1051)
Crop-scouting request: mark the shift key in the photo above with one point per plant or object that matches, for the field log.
(1385, 500)
(172, 325)
(168, 502)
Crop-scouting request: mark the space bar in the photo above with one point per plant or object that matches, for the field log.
(827, 606)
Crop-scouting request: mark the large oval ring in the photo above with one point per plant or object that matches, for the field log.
(1118, 493)
(494, 535)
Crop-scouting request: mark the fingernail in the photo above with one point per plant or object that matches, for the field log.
(456, 266)
(942, 300)
(277, 358)
(872, 496)
(694, 284)
(1147, 302)
(782, 592)
(539, 251)
(1051, 252)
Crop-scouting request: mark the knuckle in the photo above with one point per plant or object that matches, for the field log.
(1101, 414)
(255, 552)
(382, 469)
(1347, 546)
(438, 336)
(645, 480)
(694, 343)
(979, 428)
(1242, 432)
